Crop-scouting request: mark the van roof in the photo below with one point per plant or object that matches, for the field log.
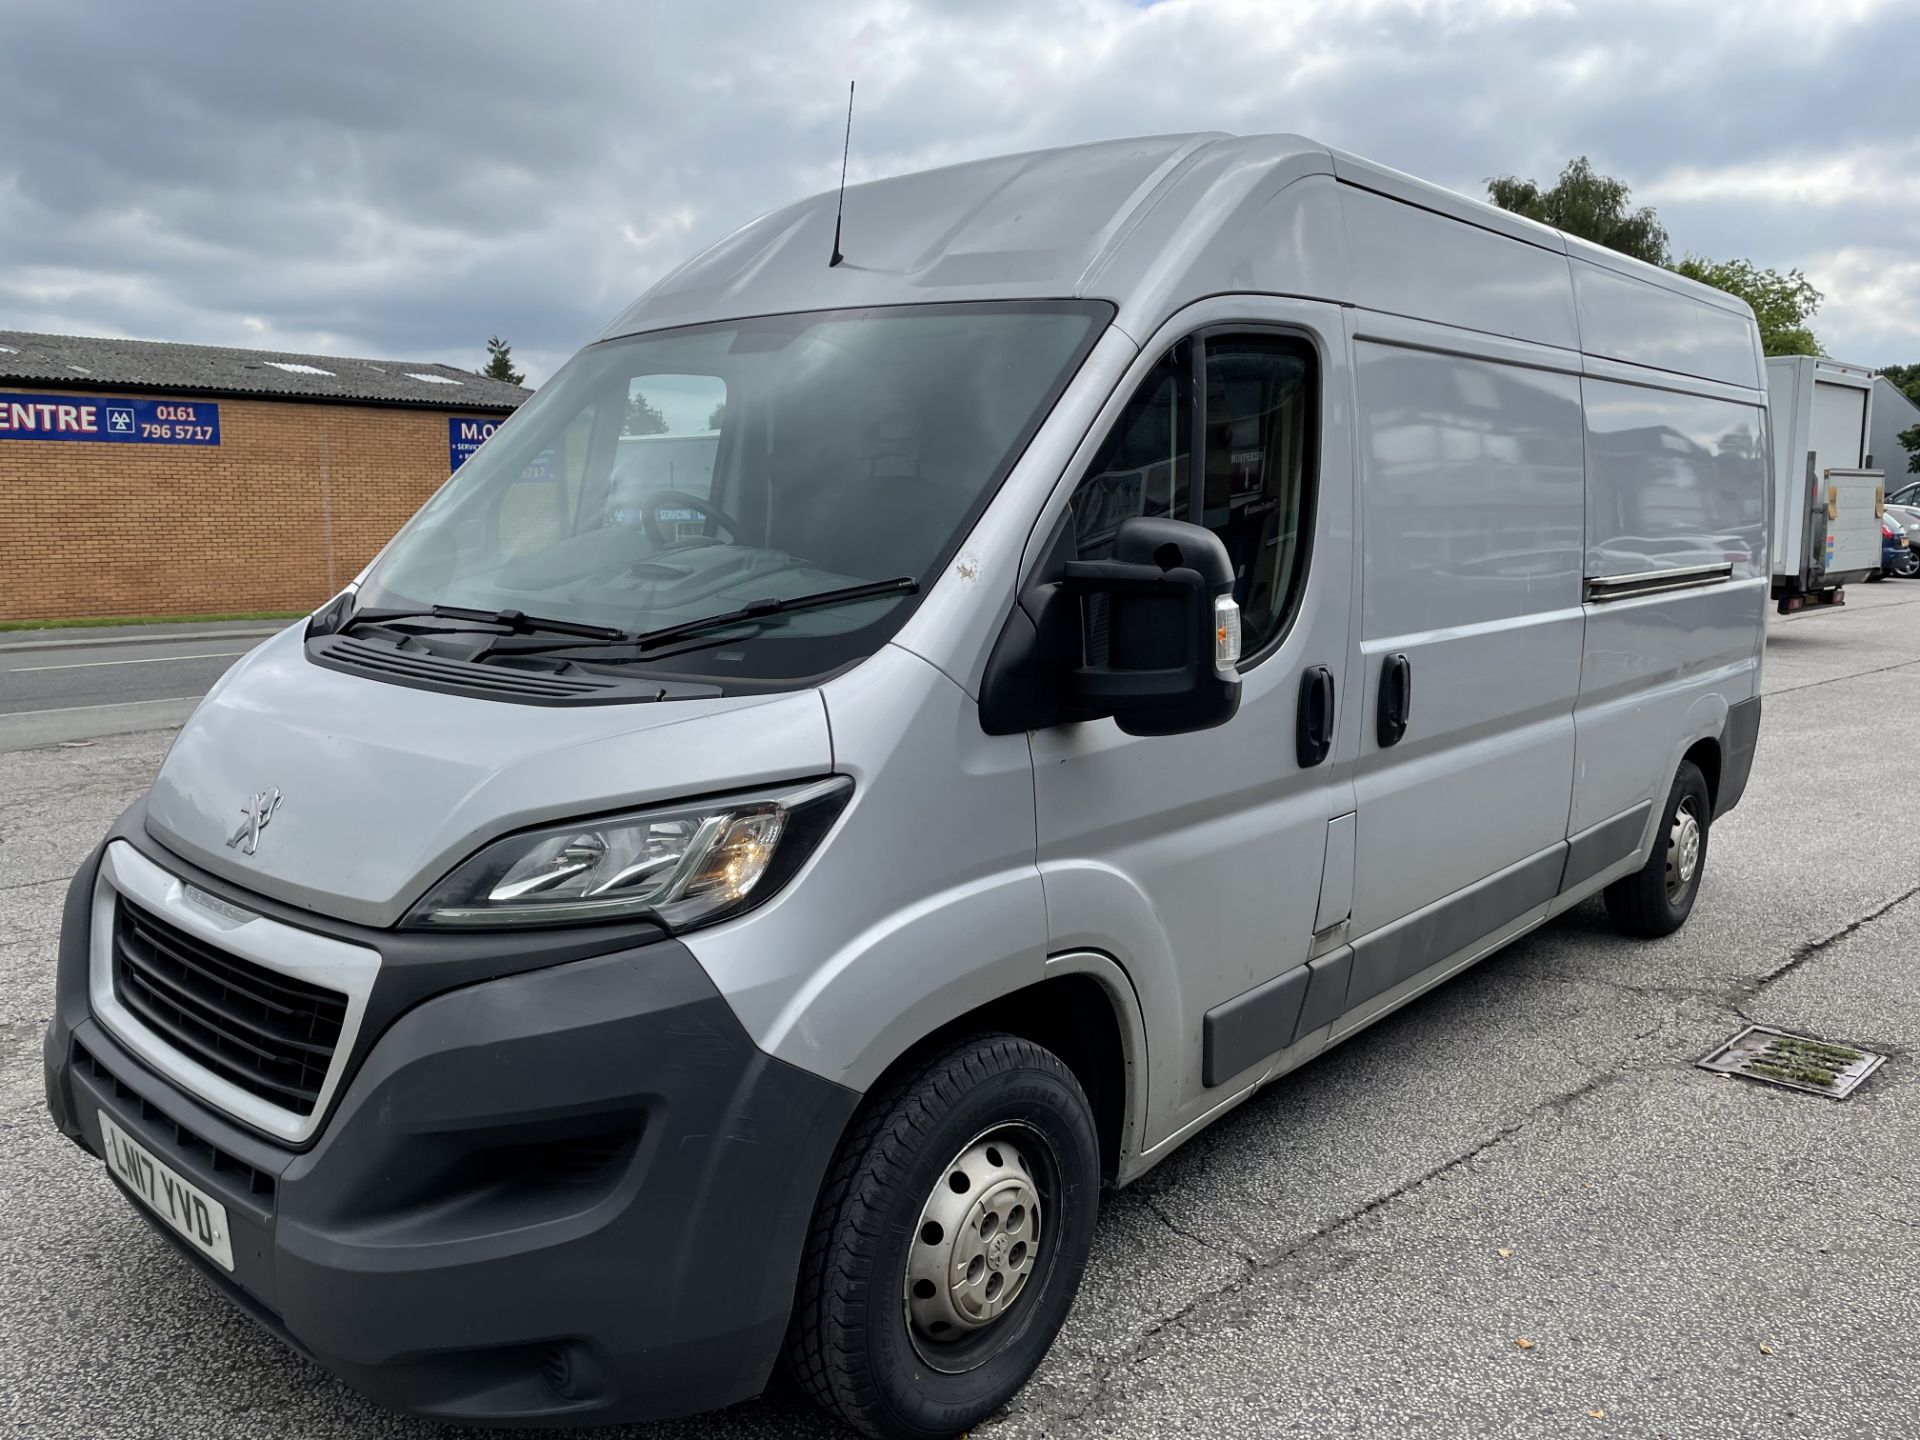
(1148, 223)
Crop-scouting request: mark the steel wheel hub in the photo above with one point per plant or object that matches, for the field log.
(974, 1250)
(1683, 850)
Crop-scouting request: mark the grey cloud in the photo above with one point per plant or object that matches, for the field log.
(408, 179)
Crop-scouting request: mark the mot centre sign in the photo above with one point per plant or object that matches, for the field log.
(110, 421)
(465, 435)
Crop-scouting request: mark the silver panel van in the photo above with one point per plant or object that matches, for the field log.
(1147, 612)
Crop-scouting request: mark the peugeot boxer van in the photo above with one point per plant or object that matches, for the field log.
(1147, 612)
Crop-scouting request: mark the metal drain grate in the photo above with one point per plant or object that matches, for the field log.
(1794, 1062)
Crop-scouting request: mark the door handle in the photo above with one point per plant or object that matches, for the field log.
(1396, 698)
(1314, 736)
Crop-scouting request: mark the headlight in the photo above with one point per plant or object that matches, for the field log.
(684, 866)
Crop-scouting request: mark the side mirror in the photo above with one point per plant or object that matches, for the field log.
(1172, 633)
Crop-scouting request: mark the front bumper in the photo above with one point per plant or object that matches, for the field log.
(572, 1194)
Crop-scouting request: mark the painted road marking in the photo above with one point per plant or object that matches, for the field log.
(144, 660)
(111, 705)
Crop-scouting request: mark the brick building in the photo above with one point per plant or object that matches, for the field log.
(142, 478)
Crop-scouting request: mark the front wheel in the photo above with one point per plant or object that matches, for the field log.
(1656, 899)
(948, 1241)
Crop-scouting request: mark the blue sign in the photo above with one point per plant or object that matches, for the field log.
(466, 436)
(118, 422)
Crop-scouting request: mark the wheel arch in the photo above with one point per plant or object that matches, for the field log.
(1701, 742)
(1705, 755)
(1085, 1011)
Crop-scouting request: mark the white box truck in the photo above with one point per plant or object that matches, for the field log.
(1827, 501)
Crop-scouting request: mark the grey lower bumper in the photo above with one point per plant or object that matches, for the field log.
(575, 1194)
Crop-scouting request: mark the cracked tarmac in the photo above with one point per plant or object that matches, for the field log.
(1525, 1153)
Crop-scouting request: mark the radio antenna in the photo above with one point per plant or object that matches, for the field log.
(846, 145)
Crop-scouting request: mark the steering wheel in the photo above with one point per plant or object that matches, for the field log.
(656, 532)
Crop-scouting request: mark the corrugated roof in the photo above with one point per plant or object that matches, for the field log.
(91, 363)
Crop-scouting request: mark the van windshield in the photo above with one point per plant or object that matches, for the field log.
(661, 479)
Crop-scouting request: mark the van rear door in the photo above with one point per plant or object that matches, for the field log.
(1839, 427)
(1198, 860)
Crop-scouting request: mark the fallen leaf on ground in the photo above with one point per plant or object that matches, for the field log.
(1524, 1343)
(1504, 1254)
(1598, 1414)
(1766, 1349)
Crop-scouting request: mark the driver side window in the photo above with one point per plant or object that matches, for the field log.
(1225, 438)
(1144, 467)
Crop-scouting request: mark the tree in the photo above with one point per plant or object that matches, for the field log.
(1586, 203)
(1781, 303)
(500, 362)
(643, 418)
(718, 414)
(1910, 437)
(1906, 379)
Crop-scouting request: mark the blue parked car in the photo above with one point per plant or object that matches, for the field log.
(1907, 564)
(1896, 553)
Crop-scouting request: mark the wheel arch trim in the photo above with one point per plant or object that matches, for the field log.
(1117, 985)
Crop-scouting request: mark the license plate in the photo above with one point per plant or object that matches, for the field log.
(189, 1211)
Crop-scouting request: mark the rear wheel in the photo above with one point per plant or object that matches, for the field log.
(1657, 898)
(948, 1241)
(1907, 563)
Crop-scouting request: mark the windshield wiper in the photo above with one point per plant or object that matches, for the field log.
(760, 609)
(751, 612)
(516, 622)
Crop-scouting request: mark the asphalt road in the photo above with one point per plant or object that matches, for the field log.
(81, 684)
(1527, 1153)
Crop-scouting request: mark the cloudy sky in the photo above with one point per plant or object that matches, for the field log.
(403, 179)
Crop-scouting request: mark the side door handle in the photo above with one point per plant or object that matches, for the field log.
(1314, 736)
(1396, 698)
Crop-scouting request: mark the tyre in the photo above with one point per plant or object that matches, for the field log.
(1657, 898)
(1907, 564)
(948, 1241)
(1874, 577)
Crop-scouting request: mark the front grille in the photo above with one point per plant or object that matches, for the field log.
(270, 1034)
(162, 1127)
